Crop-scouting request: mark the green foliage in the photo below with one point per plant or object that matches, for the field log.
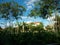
(44, 8)
(37, 28)
(12, 9)
(48, 27)
(28, 38)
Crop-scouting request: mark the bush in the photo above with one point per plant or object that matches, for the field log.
(28, 38)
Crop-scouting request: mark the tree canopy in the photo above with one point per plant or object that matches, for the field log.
(11, 9)
(44, 8)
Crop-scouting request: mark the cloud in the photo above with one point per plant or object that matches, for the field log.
(28, 21)
(24, 17)
(27, 18)
(30, 4)
(29, 7)
(51, 18)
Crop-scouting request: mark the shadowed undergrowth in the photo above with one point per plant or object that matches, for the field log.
(28, 38)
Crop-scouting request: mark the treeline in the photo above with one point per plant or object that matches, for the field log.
(28, 38)
(36, 36)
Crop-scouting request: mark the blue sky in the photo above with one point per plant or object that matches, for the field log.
(28, 4)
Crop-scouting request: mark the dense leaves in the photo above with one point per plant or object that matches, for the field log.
(11, 9)
(44, 8)
(28, 38)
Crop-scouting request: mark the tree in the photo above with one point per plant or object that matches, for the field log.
(57, 23)
(0, 28)
(11, 11)
(38, 28)
(44, 8)
(49, 28)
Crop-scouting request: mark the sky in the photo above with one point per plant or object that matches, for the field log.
(29, 5)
